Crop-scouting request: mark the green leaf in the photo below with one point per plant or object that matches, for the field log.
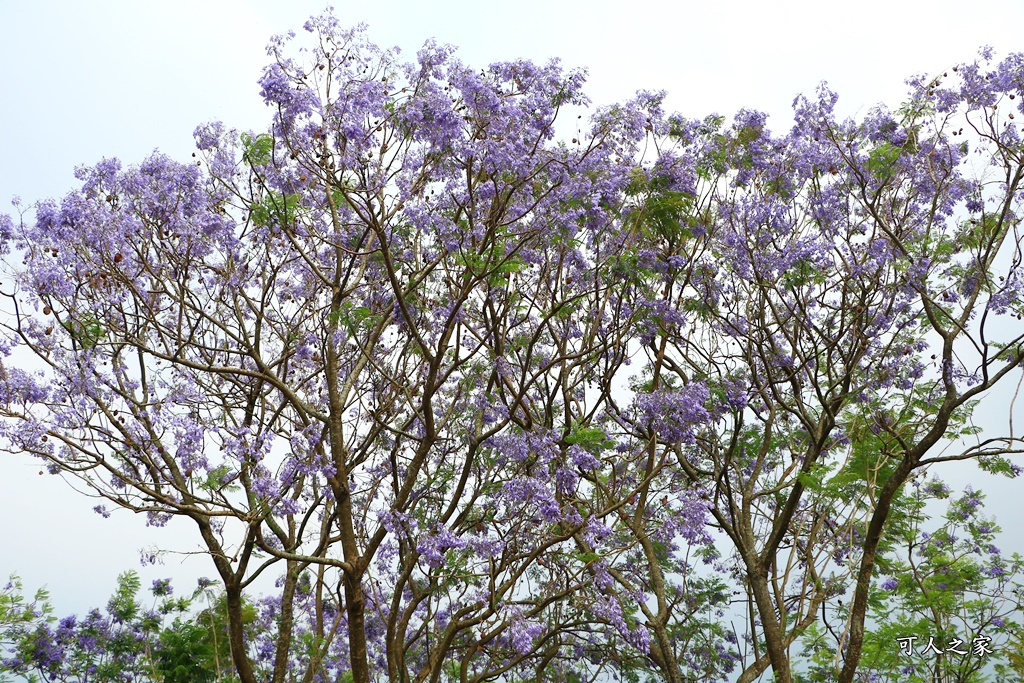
(882, 158)
(257, 151)
(215, 480)
(275, 208)
(86, 332)
(122, 604)
(591, 439)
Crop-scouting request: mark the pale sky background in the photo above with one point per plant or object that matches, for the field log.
(82, 80)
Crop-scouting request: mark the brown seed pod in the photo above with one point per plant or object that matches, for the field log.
(118, 258)
(47, 310)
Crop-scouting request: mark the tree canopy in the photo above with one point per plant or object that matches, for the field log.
(494, 404)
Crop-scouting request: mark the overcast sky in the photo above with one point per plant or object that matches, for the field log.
(80, 81)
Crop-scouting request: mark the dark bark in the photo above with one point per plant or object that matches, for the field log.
(285, 623)
(236, 633)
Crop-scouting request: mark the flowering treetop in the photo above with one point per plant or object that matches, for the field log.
(487, 389)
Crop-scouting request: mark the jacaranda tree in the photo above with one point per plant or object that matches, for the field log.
(950, 599)
(844, 293)
(365, 347)
(477, 396)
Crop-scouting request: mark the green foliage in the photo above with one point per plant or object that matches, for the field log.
(130, 642)
(275, 208)
(946, 585)
(15, 610)
(258, 150)
(882, 159)
(802, 273)
(592, 439)
(355, 319)
(86, 332)
(186, 653)
(214, 624)
(217, 480)
(661, 213)
(1015, 653)
(123, 605)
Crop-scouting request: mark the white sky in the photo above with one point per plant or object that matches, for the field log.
(84, 80)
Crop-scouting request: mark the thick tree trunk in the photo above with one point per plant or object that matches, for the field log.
(774, 637)
(355, 609)
(286, 621)
(236, 633)
(340, 485)
(232, 596)
(859, 607)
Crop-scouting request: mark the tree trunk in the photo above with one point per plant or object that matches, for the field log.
(236, 633)
(285, 622)
(355, 610)
(774, 638)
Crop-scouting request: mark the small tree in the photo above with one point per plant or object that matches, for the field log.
(945, 605)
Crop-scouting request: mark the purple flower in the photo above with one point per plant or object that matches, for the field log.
(675, 413)
(994, 571)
